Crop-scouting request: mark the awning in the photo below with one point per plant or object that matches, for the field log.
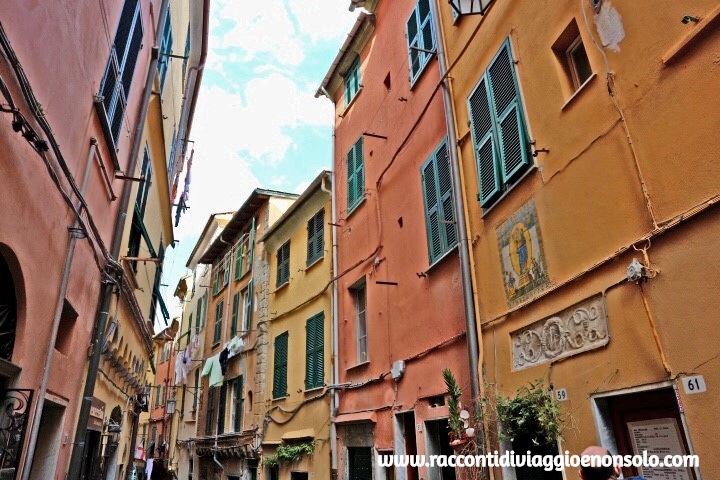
(356, 417)
(299, 434)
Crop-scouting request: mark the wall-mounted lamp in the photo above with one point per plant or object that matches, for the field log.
(690, 18)
(469, 7)
(170, 407)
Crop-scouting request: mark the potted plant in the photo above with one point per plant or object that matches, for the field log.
(460, 431)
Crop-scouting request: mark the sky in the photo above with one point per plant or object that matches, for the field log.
(257, 122)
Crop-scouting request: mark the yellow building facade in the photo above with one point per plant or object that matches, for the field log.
(585, 138)
(299, 249)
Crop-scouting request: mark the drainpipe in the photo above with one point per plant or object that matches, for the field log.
(335, 394)
(42, 390)
(107, 286)
(464, 249)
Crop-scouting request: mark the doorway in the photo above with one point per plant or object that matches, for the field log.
(438, 443)
(48, 441)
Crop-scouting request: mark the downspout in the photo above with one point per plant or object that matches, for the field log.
(335, 396)
(42, 390)
(463, 248)
(107, 286)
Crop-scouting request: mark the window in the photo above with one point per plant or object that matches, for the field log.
(235, 310)
(242, 252)
(283, 264)
(221, 409)
(247, 306)
(498, 128)
(115, 85)
(165, 50)
(316, 230)
(352, 81)
(236, 409)
(359, 294)
(360, 462)
(439, 213)
(210, 419)
(578, 61)
(280, 366)
(137, 226)
(221, 274)
(217, 334)
(314, 346)
(158, 395)
(199, 321)
(420, 38)
(196, 386)
(298, 475)
(356, 175)
(186, 56)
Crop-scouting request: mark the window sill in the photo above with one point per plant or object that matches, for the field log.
(280, 287)
(313, 263)
(280, 399)
(701, 29)
(441, 258)
(358, 366)
(354, 208)
(347, 107)
(485, 210)
(313, 389)
(580, 89)
(244, 274)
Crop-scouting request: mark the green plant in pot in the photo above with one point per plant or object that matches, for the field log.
(530, 416)
(289, 453)
(460, 431)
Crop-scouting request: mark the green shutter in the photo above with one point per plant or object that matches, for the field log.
(432, 220)
(359, 171)
(221, 409)
(445, 192)
(209, 421)
(280, 366)
(351, 178)
(315, 229)
(218, 322)
(283, 264)
(481, 126)
(413, 40)
(251, 245)
(235, 310)
(249, 312)
(238, 392)
(239, 251)
(314, 346)
(506, 103)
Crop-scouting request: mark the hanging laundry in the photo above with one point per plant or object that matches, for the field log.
(182, 365)
(212, 368)
(223, 360)
(234, 346)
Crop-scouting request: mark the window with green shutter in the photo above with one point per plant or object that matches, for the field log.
(316, 231)
(498, 129)
(314, 347)
(237, 404)
(356, 175)
(420, 39)
(280, 366)
(283, 264)
(166, 44)
(438, 197)
(221, 409)
(235, 311)
(217, 334)
(352, 81)
(210, 418)
(240, 252)
(247, 307)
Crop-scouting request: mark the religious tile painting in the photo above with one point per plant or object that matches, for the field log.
(522, 256)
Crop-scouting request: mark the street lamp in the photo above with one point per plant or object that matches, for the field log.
(469, 7)
(170, 407)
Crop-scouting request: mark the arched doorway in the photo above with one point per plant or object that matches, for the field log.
(8, 311)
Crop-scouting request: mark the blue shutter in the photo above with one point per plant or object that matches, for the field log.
(506, 104)
(481, 126)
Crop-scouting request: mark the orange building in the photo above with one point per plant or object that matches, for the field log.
(400, 318)
(587, 144)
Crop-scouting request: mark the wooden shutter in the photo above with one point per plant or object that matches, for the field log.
(508, 113)
(413, 39)
(481, 126)
(238, 392)
(239, 250)
(352, 181)
(248, 314)
(445, 192)
(359, 171)
(283, 264)
(251, 245)
(432, 220)
(221, 409)
(280, 366)
(210, 420)
(314, 343)
(235, 310)
(315, 228)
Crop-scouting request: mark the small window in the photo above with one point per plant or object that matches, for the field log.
(578, 61)
(355, 175)
(352, 82)
(572, 61)
(316, 230)
(314, 348)
(280, 366)
(439, 208)
(217, 334)
(283, 264)
(420, 39)
(359, 296)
